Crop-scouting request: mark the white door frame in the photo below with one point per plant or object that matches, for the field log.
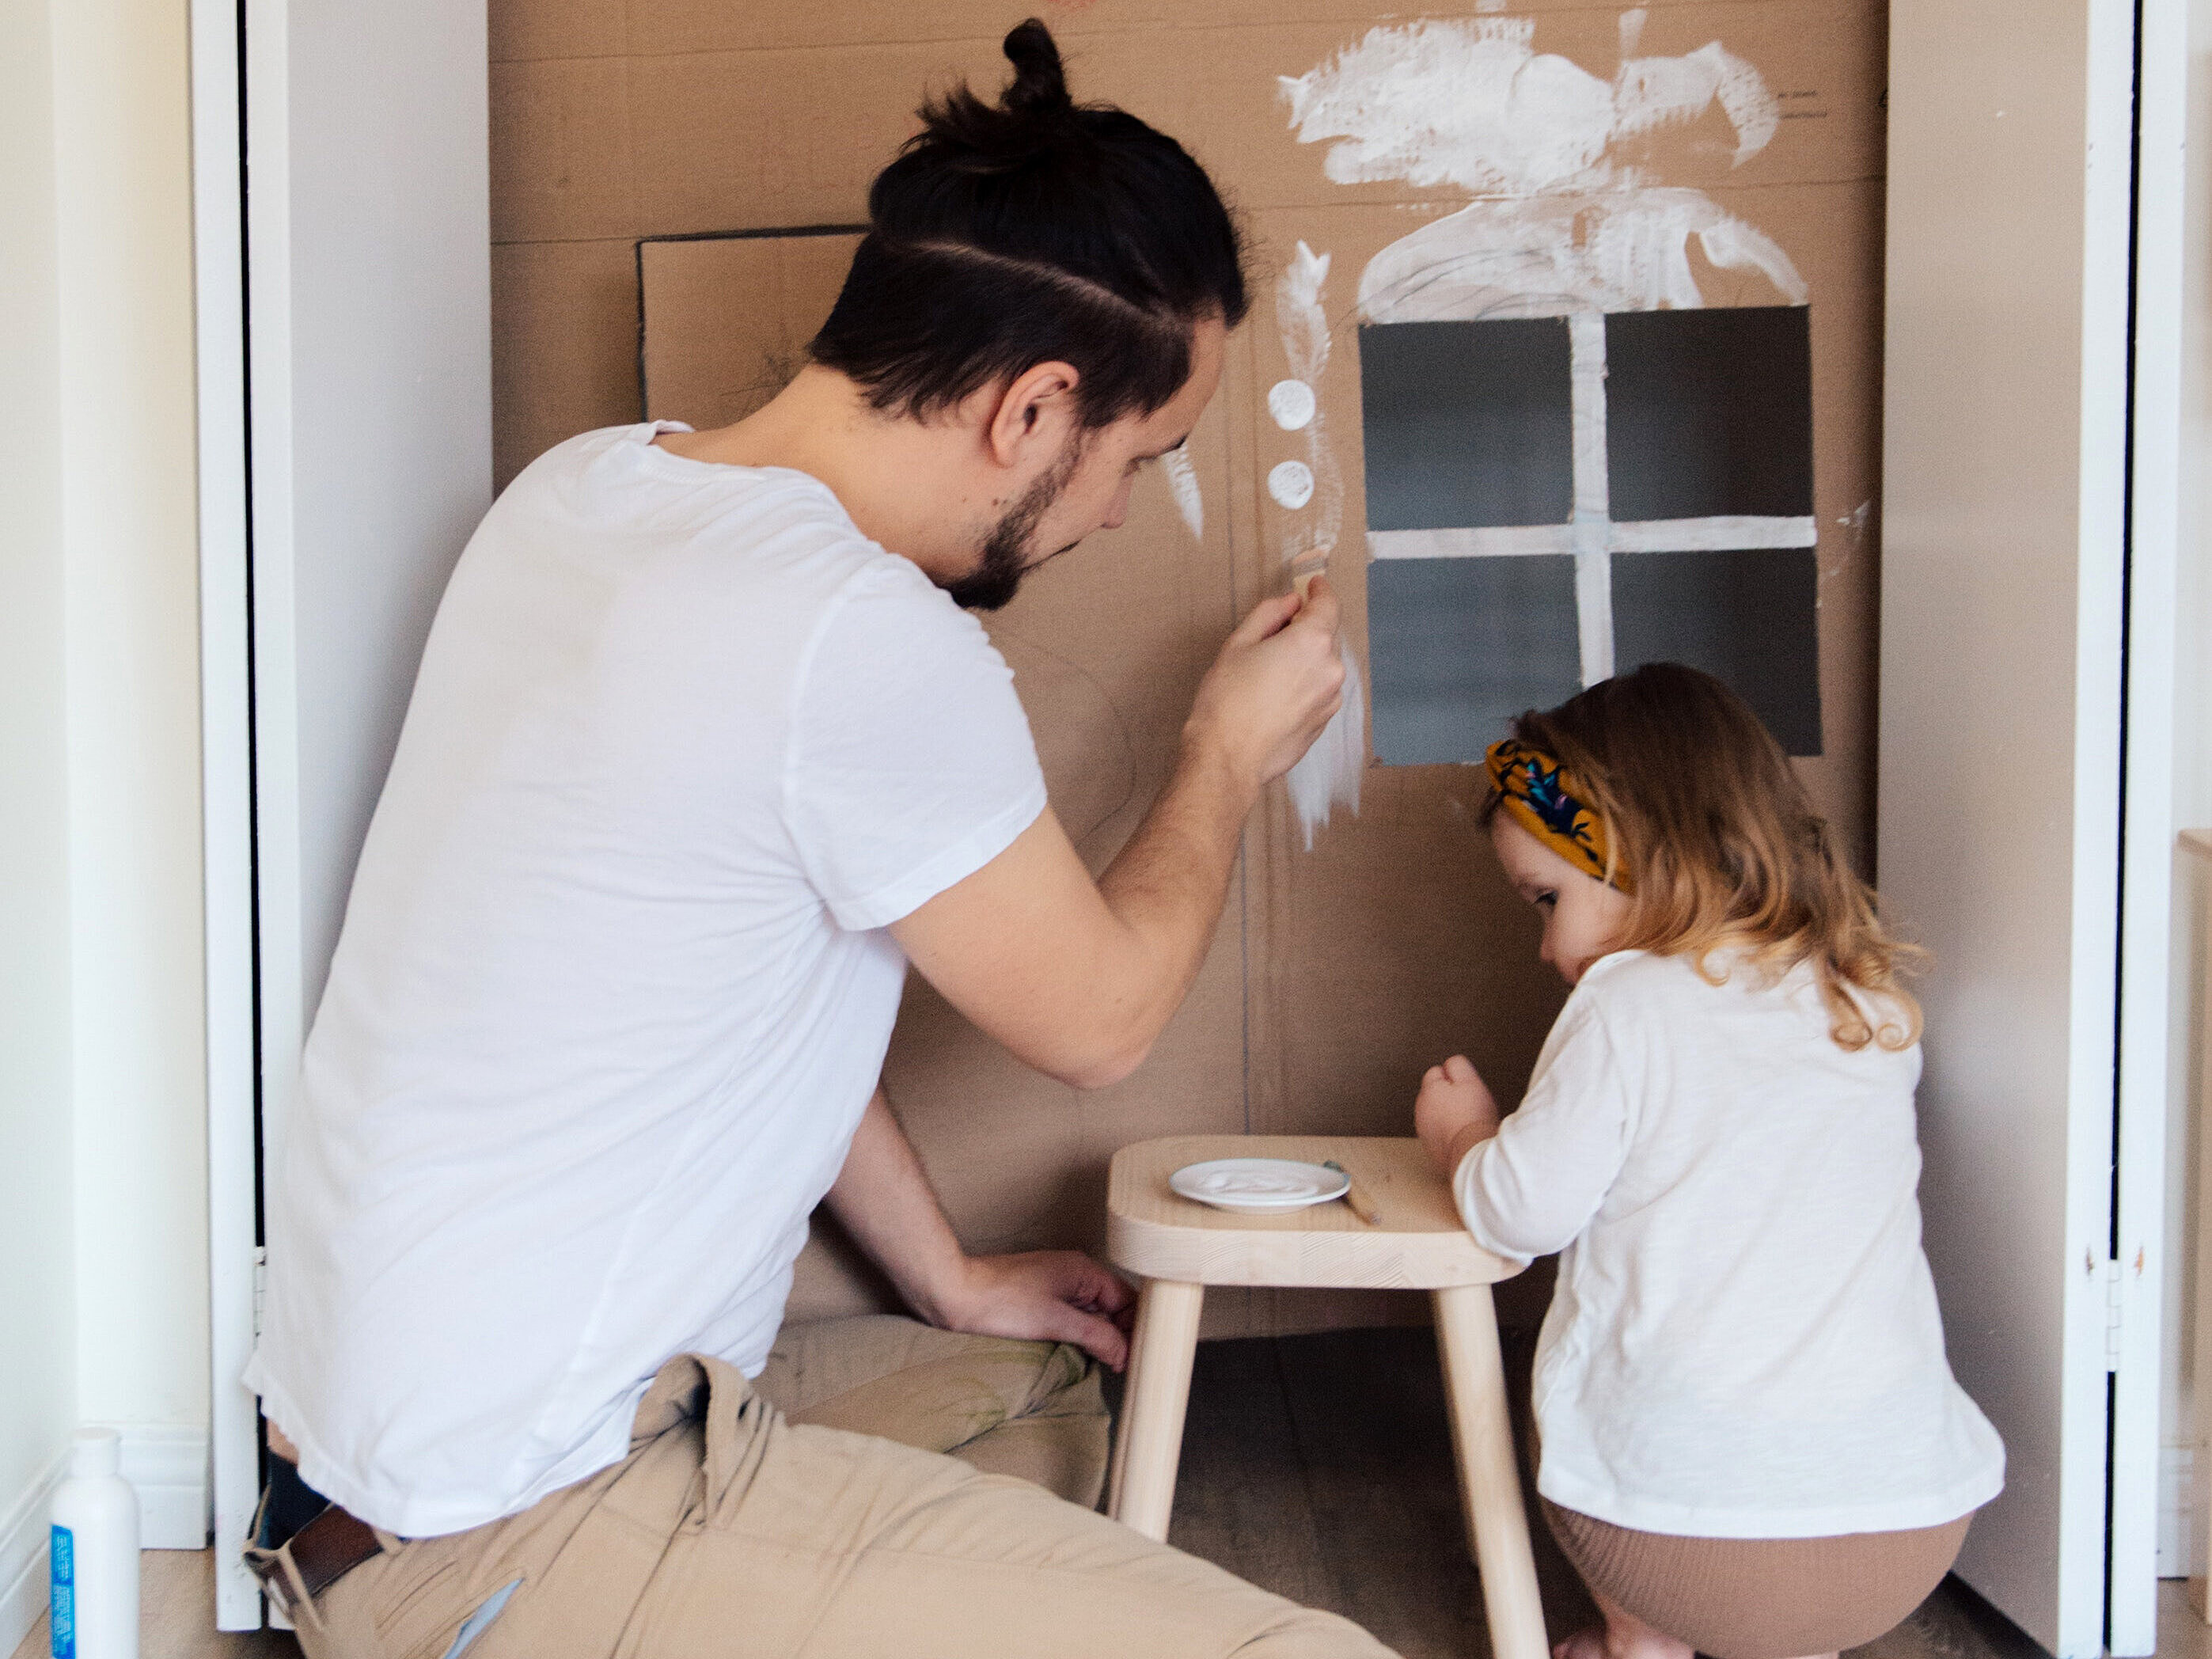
(2153, 998)
(2032, 414)
(251, 714)
(227, 788)
(2155, 722)
(344, 305)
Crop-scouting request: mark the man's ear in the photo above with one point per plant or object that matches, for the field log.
(1036, 408)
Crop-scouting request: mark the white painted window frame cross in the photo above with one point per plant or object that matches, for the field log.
(1592, 535)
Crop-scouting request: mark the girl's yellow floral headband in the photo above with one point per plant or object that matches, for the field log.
(1540, 793)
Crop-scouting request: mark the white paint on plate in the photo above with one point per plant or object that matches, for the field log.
(1258, 1183)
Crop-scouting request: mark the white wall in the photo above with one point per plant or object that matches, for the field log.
(125, 414)
(38, 1341)
(102, 1163)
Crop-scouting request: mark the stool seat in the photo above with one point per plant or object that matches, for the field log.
(1419, 1244)
(1177, 1247)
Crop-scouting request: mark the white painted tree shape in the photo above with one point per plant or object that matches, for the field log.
(1558, 227)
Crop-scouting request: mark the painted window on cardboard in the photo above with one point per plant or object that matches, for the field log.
(1551, 500)
(1576, 458)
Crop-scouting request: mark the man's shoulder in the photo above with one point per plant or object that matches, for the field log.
(618, 476)
(634, 513)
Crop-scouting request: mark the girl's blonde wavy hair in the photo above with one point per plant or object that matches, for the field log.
(1722, 846)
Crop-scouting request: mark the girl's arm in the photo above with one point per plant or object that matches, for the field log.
(1528, 1186)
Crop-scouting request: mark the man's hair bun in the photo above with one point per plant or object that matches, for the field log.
(1033, 123)
(1040, 81)
(1029, 229)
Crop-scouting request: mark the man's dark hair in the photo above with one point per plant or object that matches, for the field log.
(1034, 230)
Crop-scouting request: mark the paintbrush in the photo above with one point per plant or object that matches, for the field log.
(1355, 1195)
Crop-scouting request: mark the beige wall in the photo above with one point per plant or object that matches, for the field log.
(103, 1187)
(125, 418)
(38, 1374)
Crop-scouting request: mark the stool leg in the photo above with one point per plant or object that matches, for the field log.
(1489, 1483)
(1150, 1445)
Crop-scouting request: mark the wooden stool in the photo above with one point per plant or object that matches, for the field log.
(1178, 1247)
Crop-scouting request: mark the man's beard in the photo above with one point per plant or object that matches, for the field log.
(1006, 549)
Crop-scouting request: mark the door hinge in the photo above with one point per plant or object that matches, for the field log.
(260, 1284)
(2113, 1305)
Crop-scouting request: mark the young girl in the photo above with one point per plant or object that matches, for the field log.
(1750, 1444)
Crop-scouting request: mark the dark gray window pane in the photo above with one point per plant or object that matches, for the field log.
(1466, 424)
(1748, 618)
(1709, 413)
(1456, 648)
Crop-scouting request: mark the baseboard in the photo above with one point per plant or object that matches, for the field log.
(168, 1465)
(23, 1556)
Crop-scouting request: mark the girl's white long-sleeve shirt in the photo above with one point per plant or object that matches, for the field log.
(1745, 1340)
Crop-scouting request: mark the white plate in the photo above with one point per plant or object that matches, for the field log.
(1259, 1183)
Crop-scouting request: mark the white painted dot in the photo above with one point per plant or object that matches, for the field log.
(1291, 404)
(1291, 484)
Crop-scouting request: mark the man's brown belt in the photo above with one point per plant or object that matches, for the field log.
(322, 1551)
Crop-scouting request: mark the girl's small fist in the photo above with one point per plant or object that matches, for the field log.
(1454, 1111)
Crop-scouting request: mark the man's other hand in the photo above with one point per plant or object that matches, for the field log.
(1273, 688)
(1051, 1295)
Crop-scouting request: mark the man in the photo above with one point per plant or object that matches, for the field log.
(702, 754)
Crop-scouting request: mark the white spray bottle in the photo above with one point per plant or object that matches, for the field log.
(95, 1553)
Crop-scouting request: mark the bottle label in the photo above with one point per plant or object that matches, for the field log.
(64, 1592)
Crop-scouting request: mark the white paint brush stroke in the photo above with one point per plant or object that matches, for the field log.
(1593, 501)
(1623, 250)
(1716, 535)
(1623, 536)
(1558, 226)
(1470, 102)
(1304, 326)
(1328, 773)
(1183, 484)
(1290, 404)
(1292, 484)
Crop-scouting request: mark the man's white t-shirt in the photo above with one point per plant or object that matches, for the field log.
(1745, 1342)
(613, 990)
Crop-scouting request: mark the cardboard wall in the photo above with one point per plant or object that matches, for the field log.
(1342, 971)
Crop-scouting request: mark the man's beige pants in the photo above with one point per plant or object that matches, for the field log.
(740, 1527)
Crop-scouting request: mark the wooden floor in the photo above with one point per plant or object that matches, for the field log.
(176, 1605)
(1321, 1468)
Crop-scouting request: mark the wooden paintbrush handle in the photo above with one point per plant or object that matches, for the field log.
(1362, 1206)
(1355, 1195)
